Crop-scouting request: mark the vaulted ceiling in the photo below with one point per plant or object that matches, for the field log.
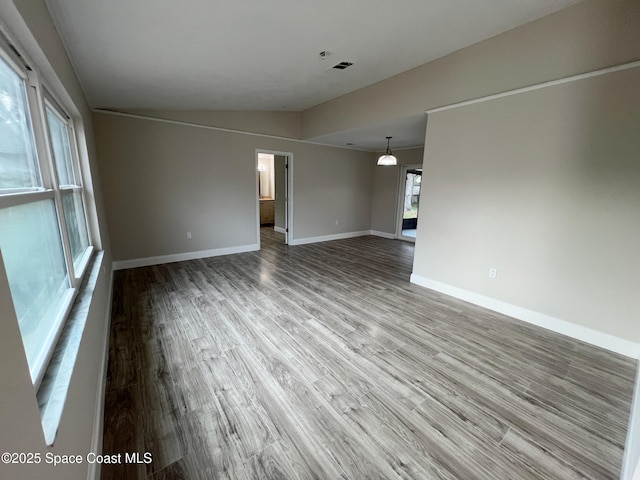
(265, 55)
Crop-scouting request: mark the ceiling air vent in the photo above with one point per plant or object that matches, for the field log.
(342, 65)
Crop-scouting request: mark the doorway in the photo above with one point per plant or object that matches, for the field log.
(274, 173)
(408, 201)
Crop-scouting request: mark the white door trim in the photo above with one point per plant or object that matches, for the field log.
(288, 216)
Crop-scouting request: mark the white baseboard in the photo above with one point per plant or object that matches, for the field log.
(180, 257)
(326, 238)
(377, 233)
(98, 421)
(579, 332)
(340, 236)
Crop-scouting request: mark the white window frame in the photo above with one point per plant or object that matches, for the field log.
(49, 101)
(37, 98)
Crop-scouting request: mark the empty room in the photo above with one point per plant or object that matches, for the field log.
(319, 240)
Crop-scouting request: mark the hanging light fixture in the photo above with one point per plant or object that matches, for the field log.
(388, 158)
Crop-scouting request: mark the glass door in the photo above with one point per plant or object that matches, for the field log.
(409, 201)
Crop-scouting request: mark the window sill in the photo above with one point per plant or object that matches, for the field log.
(52, 393)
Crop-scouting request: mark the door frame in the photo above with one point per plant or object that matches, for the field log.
(288, 199)
(400, 204)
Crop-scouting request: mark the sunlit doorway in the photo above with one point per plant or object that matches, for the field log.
(409, 199)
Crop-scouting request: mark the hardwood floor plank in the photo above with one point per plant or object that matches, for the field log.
(322, 361)
(122, 355)
(290, 423)
(482, 454)
(343, 362)
(607, 427)
(123, 432)
(222, 334)
(568, 440)
(479, 420)
(439, 442)
(613, 386)
(297, 355)
(540, 460)
(323, 423)
(399, 449)
(585, 397)
(273, 463)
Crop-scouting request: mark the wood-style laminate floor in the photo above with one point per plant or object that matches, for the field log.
(322, 361)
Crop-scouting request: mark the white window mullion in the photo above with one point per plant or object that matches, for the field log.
(64, 150)
(73, 142)
(47, 163)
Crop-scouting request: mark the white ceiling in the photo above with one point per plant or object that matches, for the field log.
(406, 132)
(264, 55)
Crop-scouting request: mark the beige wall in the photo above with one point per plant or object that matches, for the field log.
(590, 35)
(281, 124)
(162, 180)
(331, 185)
(544, 186)
(384, 201)
(19, 415)
(28, 22)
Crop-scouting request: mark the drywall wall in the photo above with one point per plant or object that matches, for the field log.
(19, 414)
(384, 201)
(29, 25)
(162, 180)
(543, 186)
(281, 124)
(588, 36)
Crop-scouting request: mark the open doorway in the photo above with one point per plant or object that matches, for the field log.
(274, 188)
(409, 199)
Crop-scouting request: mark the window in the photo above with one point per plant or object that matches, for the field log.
(61, 135)
(43, 229)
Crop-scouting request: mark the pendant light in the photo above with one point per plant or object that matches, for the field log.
(388, 158)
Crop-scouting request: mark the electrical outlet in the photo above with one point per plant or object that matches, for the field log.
(493, 272)
(336, 222)
(189, 235)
